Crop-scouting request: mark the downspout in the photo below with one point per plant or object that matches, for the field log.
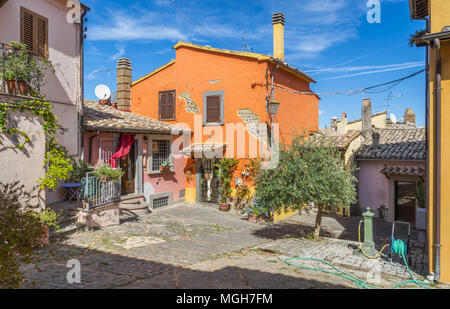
(437, 161)
(80, 114)
(90, 145)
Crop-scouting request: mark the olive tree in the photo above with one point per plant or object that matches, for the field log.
(307, 172)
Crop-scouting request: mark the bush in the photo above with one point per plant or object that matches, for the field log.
(79, 170)
(20, 231)
(108, 173)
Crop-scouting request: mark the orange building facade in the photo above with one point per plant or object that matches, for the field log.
(222, 96)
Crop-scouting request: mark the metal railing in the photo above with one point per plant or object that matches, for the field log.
(97, 192)
(20, 74)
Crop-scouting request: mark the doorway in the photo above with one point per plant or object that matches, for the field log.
(208, 181)
(128, 165)
(405, 201)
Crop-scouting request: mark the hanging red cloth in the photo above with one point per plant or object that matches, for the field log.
(126, 142)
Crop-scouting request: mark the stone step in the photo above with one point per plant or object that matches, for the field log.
(138, 209)
(67, 230)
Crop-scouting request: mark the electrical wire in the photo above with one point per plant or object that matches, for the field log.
(390, 84)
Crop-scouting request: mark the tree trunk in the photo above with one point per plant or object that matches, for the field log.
(318, 222)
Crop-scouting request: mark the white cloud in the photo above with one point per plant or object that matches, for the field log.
(120, 52)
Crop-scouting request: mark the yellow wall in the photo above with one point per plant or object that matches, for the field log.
(440, 17)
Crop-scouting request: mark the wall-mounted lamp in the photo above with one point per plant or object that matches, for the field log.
(273, 107)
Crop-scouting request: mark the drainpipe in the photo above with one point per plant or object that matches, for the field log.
(90, 145)
(80, 114)
(437, 161)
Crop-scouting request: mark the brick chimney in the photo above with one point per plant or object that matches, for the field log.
(124, 84)
(366, 118)
(278, 35)
(409, 116)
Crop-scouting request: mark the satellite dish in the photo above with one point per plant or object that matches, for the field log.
(102, 92)
(393, 118)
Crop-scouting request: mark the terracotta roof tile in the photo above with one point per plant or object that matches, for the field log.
(107, 118)
(340, 141)
(395, 144)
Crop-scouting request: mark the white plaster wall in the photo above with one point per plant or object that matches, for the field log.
(63, 88)
(24, 164)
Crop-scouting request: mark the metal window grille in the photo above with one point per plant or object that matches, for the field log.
(108, 147)
(160, 153)
(160, 202)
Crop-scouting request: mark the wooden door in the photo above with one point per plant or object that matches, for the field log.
(405, 202)
(128, 165)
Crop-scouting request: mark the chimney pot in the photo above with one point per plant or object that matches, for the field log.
(124, 78)
(278, 23)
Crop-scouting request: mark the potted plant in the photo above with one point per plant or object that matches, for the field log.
(21, 70)
(257, 212)
(166, 166)
(48, 219)
(226, 168)
(107, 173)
(79, 171)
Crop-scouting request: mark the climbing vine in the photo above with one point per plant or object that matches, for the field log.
(57, 164)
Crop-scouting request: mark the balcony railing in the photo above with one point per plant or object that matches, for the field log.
(98, 192)
(21, 72)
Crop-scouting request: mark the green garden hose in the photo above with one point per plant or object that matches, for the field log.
(358, 282)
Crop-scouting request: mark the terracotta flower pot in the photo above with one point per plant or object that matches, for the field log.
(163, 169)
(255, 218)
(22, 88)
(224, 207)
(45, 240)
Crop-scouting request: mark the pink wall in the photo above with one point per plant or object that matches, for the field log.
(375, 189)
(154, 183)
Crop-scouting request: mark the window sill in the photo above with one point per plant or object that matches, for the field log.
(213, 124)
(160, 173)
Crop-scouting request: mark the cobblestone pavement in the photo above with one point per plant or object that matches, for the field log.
(195, 247)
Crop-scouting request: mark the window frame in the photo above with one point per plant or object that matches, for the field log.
(221, 94)
(34, 48)
(173, 104)
(152, 138)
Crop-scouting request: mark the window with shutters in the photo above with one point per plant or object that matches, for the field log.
(167, 105)
(213, 108)
(34, 32)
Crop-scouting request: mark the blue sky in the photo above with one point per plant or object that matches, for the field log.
(329, 39)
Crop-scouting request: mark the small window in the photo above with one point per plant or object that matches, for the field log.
(213, 108)
(160, 153)
(34, 32)
(167, 105)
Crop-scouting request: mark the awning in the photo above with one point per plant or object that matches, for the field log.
(207, 149)
(390, 170)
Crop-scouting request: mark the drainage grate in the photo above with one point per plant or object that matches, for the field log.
(160, 202)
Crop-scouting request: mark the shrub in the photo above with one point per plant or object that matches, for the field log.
(20, 231)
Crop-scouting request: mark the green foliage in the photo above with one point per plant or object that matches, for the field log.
(47, 217)
(19, 63)
(79, 170)
(420, 192)
(413, 37)
(226, 167)
(20, 231)
(58, 166)
(108, 173)
(307, 172)
(166, 164)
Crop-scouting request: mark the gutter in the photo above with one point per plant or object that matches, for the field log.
(437, 160)
(80, 114)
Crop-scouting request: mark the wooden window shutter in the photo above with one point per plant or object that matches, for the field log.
(213, 109)
(167, 105)
(41, 37)
(28, 30)
(34, 32)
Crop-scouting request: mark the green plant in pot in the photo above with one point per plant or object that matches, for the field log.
(48, 219)
(22, 71)
(166, 166)
(226, 168)
(79, 171)
(107, 173)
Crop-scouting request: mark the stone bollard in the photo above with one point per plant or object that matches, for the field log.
(369, 245)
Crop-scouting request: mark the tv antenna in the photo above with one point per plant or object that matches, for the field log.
(244, 45)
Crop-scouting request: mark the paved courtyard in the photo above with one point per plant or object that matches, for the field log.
(199, 247)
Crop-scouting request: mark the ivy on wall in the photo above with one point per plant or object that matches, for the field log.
(57, 164)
